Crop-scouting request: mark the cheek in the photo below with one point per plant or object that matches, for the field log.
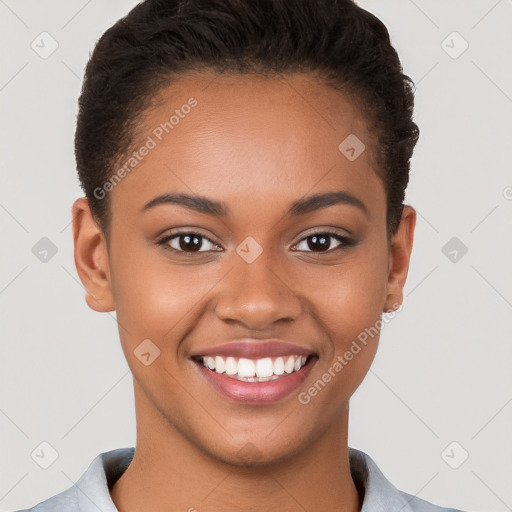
(348, 298)
(155, 299)
(354, 306)
(348, 302)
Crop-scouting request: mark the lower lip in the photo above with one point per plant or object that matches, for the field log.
(257, 392)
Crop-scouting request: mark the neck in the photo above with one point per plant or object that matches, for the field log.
(168, 472)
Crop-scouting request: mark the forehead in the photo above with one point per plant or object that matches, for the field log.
(248, 135)
(249, 110)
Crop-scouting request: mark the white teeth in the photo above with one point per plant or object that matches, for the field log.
(289, 365)
(264, 367)
(231, 366)
(220, 365)
(279, 366)
(254, 370)
(246, 368)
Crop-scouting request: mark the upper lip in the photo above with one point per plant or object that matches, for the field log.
(255, 349)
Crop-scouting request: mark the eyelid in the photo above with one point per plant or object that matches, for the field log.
(344, 240)
(165, 239)
(326, 229)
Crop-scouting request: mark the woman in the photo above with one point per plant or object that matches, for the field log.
(244, 165)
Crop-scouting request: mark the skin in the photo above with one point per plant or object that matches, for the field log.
(256, 144)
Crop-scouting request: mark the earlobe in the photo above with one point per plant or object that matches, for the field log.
(399, 259)
(91, 257)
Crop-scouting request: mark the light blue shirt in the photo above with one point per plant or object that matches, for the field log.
(91, 492)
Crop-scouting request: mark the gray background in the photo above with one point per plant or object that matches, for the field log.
(442, 373)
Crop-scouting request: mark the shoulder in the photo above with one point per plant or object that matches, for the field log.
(91, 492)
(66, 500)
(380, 493)
(416, 504)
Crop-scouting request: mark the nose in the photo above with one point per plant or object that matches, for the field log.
(256, 296)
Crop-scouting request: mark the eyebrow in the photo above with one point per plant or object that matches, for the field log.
(208, 206)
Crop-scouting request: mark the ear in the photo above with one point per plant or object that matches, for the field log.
(91, 257)
(399, 257)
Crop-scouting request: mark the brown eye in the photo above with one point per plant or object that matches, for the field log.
(322, 242)
(187, 242)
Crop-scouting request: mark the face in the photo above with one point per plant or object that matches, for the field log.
(249, 259)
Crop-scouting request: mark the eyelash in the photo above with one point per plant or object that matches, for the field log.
(345, 241)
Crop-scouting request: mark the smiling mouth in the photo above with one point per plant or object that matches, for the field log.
(254, 370)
